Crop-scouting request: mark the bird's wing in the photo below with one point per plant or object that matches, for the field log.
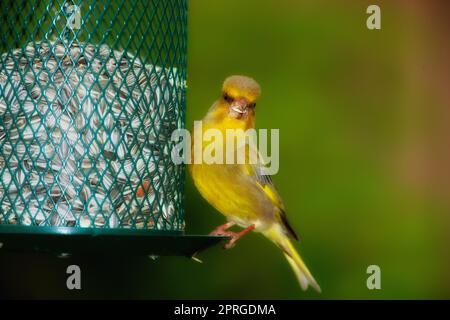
(257, 171)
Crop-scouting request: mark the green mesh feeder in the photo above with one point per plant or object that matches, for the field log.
(90, 93)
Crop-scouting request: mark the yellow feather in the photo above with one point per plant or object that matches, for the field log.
(302, 273)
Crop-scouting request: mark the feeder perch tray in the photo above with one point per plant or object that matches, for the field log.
(67, 240)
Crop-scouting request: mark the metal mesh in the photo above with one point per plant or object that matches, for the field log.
(90, 92)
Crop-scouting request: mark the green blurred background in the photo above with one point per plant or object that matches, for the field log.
(364, 123)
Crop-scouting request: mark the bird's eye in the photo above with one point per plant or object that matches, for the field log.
(227, 98)
(253, 105)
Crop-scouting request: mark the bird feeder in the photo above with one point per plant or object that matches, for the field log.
(90, 93)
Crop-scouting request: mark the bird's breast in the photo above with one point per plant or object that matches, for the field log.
(228, 190)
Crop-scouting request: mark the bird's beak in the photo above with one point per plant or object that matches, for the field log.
(239, 107)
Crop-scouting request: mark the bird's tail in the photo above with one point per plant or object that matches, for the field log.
(304, 277)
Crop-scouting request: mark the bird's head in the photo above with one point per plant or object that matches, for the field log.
(236, 104)
(239, 95)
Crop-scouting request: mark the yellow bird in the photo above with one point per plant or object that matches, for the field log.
(242, 192)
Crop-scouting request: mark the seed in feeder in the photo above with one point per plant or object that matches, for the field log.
(82, 126)
(142, 190)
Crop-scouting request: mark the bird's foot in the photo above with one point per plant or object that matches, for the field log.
(235, 236)
(230, 234)
(222, 230)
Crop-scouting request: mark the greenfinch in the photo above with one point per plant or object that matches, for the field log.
(241, 191)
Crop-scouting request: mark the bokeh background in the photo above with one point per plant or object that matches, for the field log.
(364, 119)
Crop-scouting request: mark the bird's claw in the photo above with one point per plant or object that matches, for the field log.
(235, 236)
(222, 233)
(230, 244)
